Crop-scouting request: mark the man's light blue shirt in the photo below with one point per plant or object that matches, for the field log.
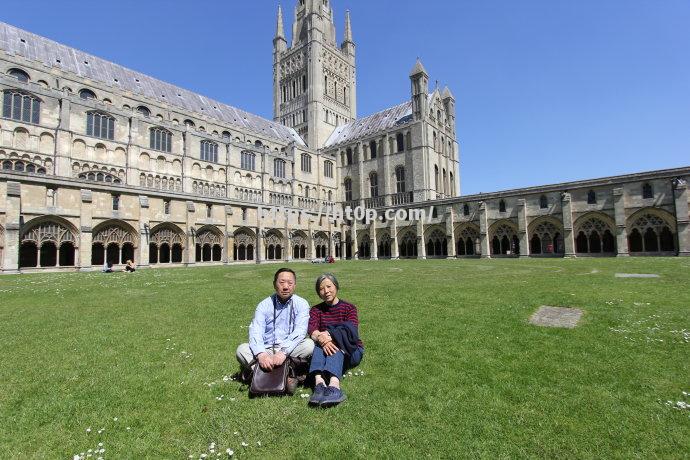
(290, 328)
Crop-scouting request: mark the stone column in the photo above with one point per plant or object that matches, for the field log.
(484, 231)
(522, 227)
(12, 228)
(395, 250)
(144, 228)
(353, 234)
(680, 195)
(229, 236)
(421, 247)
(568, 230)
(191, 243)
(450, 233)
(260, 253)
(621, 229)
(373, 242)
(387, 182)
(86, 230)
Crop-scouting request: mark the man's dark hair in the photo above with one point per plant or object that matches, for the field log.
(281, 270)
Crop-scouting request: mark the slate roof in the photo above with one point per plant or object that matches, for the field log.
(33, 47)
(370, 125)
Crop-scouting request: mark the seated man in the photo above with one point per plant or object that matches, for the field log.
(279, 328)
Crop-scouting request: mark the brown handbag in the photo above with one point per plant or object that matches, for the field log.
(272, 383)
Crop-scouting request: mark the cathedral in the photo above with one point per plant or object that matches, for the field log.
(100, 164)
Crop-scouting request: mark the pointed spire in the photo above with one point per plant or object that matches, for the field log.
(348, 27)
(418, 68)
(280, 31)
(447, 94)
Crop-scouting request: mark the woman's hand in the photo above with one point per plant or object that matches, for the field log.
(330, 348)
(324, 337)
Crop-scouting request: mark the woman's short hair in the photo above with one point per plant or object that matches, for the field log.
(327, 276)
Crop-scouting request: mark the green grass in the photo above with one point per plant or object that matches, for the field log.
(452, 368)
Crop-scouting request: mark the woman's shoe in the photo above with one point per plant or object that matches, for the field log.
(317, 396)
(333, 397)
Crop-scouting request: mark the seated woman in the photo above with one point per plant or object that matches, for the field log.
(130, 267)
(334, 326)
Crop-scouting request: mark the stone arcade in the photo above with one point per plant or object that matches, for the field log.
(100, 163)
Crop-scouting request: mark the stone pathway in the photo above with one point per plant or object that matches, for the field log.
(556, 317)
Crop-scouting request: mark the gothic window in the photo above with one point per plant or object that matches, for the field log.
(209, 211)
(348, 189)
(502, 206)
(304, 82)
(452, 184)
(328, 169)
(166, 246)
(400, 142)
(505, 241)
(436, 178)
(647, 191)
(543, 202)
(306, 162)
(591, 197)
(546, 239)
(650, 233)
(408, 246)
(279, 168)
(248, 161)
(19, 75)
(21, 106)
(48, 244)
(468, 238)
(87, 94)
(400, 179)
(595, 236)
(100, 125)
(209, 151)
(160, 139)
(436, 244)
(348, 155)
(372, 149)
(465, 209)
(374, 184)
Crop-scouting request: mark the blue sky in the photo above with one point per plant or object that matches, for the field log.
(547, 90)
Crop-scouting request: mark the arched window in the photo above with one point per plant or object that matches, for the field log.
(348, 189)
(100, 125)
(591, 197)
(372, 150)
(305, 160)
(143, 110)
(209, 151)
(543, 202)
(226, 135)
(400, 179)
(160, 139)
(400, 142)
(189, 123)
(502, 206)
(328, 168)
(436, 178)
(279, 167)
(647, 191)
(374, 184)
(348, 155)
(21, 106)
(466, 210)
(248, 161)
(19, 75)
(87, 94)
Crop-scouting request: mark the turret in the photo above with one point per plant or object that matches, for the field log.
(420, 89)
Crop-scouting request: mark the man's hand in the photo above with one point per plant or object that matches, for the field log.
(265, 361)
(324, 338)
(330, 348)
(279, 358)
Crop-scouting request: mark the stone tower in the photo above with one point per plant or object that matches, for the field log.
(314, 79)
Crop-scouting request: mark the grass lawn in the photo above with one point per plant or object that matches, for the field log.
(452, 367)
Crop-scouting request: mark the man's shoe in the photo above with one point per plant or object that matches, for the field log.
(333, 397)
(317, 396)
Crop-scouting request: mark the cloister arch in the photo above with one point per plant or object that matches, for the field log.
(364, 246)
(436, 242)
(274, 243)
(245, 244)
(114, 242)
(651, 231)
(385, 243)
(546, 236)
(321, 245)
(504, 239)
(594, 234)
(166, 244)
(407, 244)
(468, 243)
(48, 241)
(209, 244)
(299, 244)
